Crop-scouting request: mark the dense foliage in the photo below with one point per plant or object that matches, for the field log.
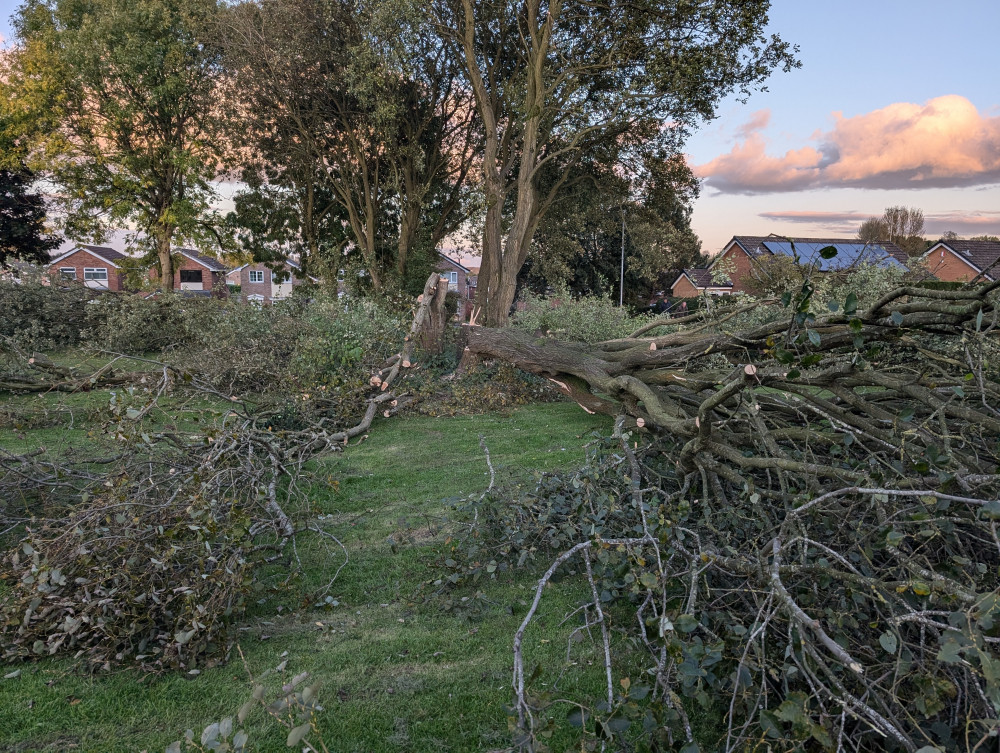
(22, 220)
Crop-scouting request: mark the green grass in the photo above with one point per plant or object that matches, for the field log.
(398, 672)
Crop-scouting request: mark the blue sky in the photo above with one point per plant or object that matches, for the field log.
(918, 88)
(897, 102)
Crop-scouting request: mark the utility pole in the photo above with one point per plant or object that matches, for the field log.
(621, 287)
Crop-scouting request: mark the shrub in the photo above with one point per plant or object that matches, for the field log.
(44, 317)
(585, 319)
(343, 339)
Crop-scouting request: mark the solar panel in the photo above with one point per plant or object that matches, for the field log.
(849, 254)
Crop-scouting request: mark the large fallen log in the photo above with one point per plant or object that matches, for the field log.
(900, 392)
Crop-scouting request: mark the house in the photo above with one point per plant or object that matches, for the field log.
(458, 281)
(743, 258)
(261, 284)
(95, 266)
(197, 274)
(691, 283)
(963, 261)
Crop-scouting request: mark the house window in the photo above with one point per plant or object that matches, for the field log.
(190, 275)
(256, 299)
(67, 273)
(94, 273)
(280, 278)
(256, 275)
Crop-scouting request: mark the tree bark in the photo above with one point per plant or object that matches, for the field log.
(163, 235)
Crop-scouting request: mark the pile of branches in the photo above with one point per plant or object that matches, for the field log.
(145, 545)
(805, 543)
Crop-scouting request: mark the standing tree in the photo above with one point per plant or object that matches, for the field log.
(903, 226)
(555, 81)
(123, 94)
(579, 241)
(22, 220)
(344, 117)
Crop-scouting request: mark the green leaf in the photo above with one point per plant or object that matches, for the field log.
(174, 747)
(897, 318)
(239, 741)
(828, 252)
(888, 641)
(691, 747)
(686, 623)
(244, 711)
(949, 652)
(979, 321)
(577, 718)
(850, 304)
(906, 414)
(991, 510)
(834, 306)
(648, 579)
(618, 724)
(814, 337)
(297, 734)
(794, 374)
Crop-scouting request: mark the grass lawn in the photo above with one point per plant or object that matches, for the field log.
(398, 671)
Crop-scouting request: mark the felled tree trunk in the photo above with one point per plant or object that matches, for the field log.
(903, 382)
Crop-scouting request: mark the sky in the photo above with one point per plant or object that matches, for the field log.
(897, 102)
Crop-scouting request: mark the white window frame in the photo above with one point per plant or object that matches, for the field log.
(92, 274)
(255, 299)
(67, 273)
(287, 278)
(256, 275)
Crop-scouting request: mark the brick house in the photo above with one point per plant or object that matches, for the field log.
(963, 261)
(458, 282)
(691, 283)
(198, 274)
(261, 284)
(742, 259)
(95, 266)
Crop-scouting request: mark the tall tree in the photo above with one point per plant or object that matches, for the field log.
(333, 103)
(22, 220)
(601, 215)
(122, 94)
(901, 225)
(555, 80)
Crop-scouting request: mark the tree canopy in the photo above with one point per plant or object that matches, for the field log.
(22, 220)
(119, 113)
(555, 82)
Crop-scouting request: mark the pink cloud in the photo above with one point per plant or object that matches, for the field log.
(757, 122)
(847, 222)
(945, 142)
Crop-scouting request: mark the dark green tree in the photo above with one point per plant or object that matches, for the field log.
(578, 244)
(22, 220)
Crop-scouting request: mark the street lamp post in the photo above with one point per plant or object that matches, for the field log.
(621, 286)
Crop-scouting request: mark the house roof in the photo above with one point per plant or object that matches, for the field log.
(102, 252)
(984, 256)
(206, 261)
(850, 251)
(452, 262)
(702, 279)
(288, 262)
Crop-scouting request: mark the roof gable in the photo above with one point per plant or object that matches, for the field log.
(982, 256)
(102, 252)
(453, 262)
(206, 261)
(850, 251)
(702, 279)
